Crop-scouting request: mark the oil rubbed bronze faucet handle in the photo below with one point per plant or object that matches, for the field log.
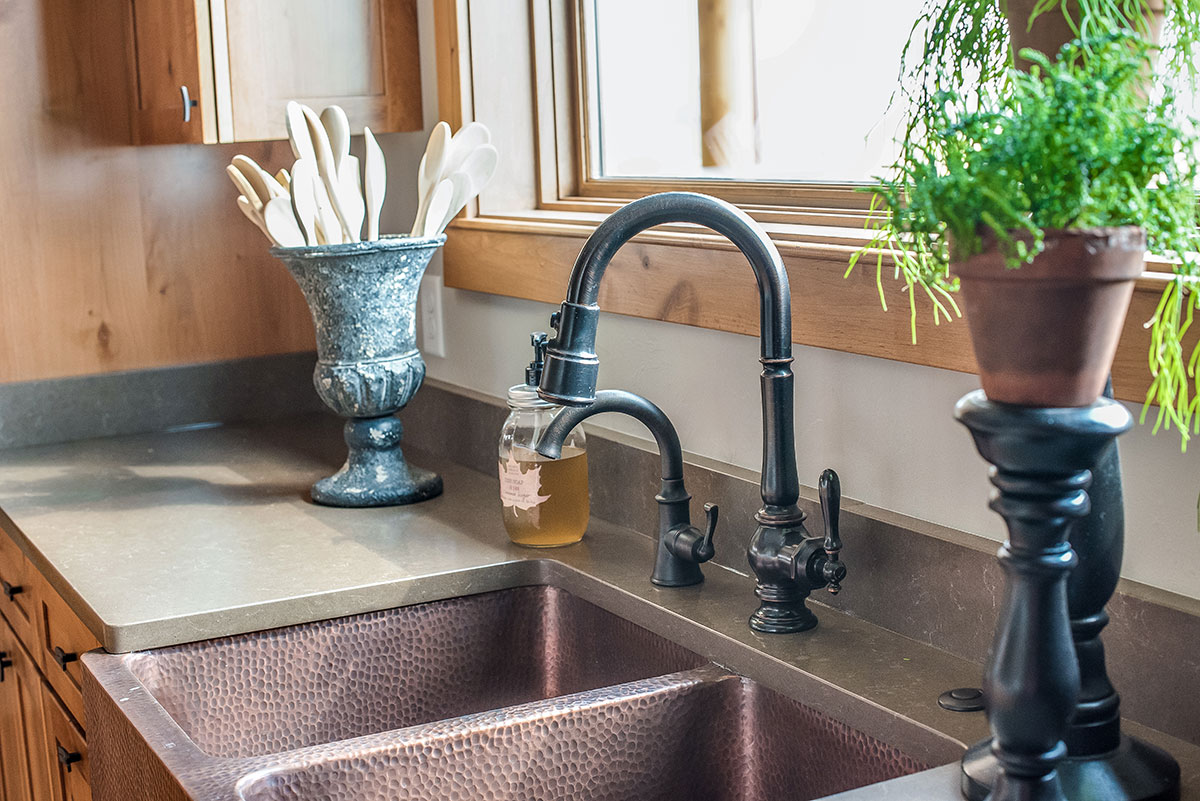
(704, 549)
(830, 490)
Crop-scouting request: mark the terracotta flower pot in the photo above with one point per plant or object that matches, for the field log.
(1045, 334)
(1050, 30)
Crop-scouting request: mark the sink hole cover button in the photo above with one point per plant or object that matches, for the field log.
(962, 699)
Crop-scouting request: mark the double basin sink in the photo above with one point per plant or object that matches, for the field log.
(525, 693)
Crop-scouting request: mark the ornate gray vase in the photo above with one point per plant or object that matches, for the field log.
(363, 298)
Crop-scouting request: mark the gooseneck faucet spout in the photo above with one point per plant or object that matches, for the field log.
(681, 546)
(571, 370)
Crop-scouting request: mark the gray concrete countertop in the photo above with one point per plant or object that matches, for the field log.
(183, 536)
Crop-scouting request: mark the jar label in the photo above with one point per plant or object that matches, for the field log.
(521, 484)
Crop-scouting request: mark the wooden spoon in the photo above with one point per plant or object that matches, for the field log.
(468, 138)
(281, 223)
(337, 128)
(439, 205)
(350, 187)
(298, 136)
(245, 188)
(480, 166)
(375, 183)
(253, 216)
(327, 171)
(430, 173)
(458, 199)
(304, 199)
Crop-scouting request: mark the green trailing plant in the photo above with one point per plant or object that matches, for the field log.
(1073, 143)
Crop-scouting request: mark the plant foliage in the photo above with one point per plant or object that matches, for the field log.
(959, 86)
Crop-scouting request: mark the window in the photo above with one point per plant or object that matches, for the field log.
(538, 73)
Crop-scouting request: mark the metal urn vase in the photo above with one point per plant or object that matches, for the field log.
(363, 298)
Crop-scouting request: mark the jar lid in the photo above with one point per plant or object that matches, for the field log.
(524, 396)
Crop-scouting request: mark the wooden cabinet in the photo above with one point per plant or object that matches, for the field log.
(24, 771)
(66, 750)
(43, 749)
(223, 70)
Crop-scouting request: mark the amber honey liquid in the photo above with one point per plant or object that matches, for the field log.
(545, 500)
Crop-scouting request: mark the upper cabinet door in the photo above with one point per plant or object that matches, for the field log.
(360, 54)
(173, 100)
(241, 61)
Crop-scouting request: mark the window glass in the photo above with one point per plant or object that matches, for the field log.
(803, 86)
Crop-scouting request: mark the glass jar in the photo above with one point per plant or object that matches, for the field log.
(545, 501)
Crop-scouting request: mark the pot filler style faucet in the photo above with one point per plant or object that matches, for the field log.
(787, 562)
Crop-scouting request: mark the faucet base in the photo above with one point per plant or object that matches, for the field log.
(781, 611)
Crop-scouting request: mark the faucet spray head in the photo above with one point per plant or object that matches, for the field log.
(572, 367)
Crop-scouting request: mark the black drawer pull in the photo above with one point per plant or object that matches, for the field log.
(10, 590)
(5, 664)
(68, 758)
(63, 657)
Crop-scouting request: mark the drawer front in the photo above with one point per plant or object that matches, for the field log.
(18, 592)
(66, 753)
(63, 639)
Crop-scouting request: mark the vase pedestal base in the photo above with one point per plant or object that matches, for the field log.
(1134, 771)
(376, 473)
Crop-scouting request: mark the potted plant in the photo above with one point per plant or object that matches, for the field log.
(1074, 144)
(1040, 198)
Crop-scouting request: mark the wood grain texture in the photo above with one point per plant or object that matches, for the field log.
(359, 54)
(118, 257)
(698, 280)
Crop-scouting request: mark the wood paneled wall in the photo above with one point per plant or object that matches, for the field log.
(115, 257)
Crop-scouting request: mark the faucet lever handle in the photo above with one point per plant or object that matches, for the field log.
(704, 549)
(830, 490)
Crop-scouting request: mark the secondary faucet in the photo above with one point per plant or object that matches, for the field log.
(788, 563)
(681, 546)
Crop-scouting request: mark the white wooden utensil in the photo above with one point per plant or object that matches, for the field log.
(439, 205)
(350, 188)
(281, 223)
(374, 183)
(463, 143)
(327, 171)
(458, 198)
(480, 166)
(430, 173)
(298, 136)
(245, 188)
(285, 180)
(256, 176)
(253, 216)
(304, 200)
(337, 128)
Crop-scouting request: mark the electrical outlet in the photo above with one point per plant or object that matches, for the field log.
(433, 337)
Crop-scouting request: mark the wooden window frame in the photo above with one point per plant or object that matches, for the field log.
(521, 238)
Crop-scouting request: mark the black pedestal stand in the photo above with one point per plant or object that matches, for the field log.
(1101, 763)
(1041, 469)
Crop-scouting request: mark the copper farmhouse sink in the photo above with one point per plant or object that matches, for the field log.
(703, 735)
(527, 693)
(284, 689)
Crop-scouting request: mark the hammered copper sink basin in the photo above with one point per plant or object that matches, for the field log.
(528, 693)
(285, 689)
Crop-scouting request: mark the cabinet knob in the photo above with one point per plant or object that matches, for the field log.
(63, 657)
(188, 103)
(5, 664)
(10, 589)
(68, 758)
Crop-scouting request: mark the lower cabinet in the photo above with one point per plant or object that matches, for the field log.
(43, 751)
(24, 768)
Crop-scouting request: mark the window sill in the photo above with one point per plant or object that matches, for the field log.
(683, 274)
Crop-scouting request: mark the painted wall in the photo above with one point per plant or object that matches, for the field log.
(886, 427)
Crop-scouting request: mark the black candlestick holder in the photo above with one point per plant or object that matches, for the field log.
(1041, 468)
(1102, 762)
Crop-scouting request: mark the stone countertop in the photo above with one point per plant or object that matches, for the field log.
(205, 532)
